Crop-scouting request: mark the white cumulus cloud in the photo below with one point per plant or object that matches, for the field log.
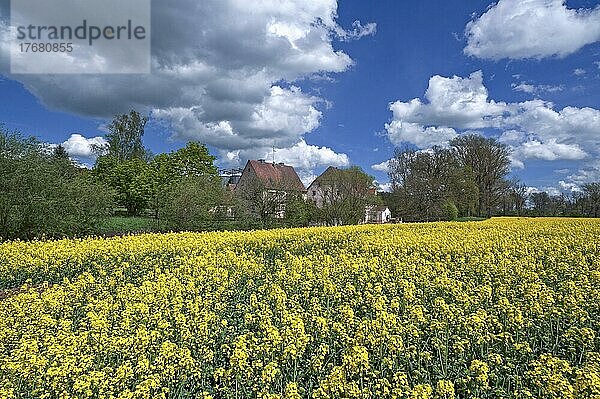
(223, 72)
(456, 101)
(381, 167)
(533, 129)
(309, 157)
(80, 147)
(550, 151)
(521, 29)
(423, 137)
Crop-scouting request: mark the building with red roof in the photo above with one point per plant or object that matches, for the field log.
(266, 187)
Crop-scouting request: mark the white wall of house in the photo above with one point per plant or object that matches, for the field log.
(316, 193)
(386, 215)
(375, 214)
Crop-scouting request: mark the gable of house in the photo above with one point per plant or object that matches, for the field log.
(273, 176)
(324, 178)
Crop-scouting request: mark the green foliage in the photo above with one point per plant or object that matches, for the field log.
(451, 210)
(124, 140)
(471, 174)
(262, 204)
(298, 212)
(346, 194)
(194, 203)
(59, 152)
(470, 219)
(123, 225)
(13, 145)
(462, 189)
(144, 185)
(42, 194)
(168, 170)
(425, 181)
(489, 162)
(192, 160)
(132, 180)
(123, 162)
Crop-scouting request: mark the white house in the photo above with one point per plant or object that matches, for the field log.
(378, 214)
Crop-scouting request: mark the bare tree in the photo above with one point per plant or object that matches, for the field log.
(428, 183)
(557, 205)
(591, 192)
(540, 203)
(519, 196)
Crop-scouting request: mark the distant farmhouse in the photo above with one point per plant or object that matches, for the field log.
(330, 187)
(378, 214)
(267, 186)
(273, 176)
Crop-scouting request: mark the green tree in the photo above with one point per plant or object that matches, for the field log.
(14, 146)
(194, 203)
(144, 185)
(423, 183)
(123, 162)
(347, 193)
(298, 212)
(59, 152)
(266, 205)
(132, 180)
(44, 195)
(194, 160)
(489, 162)
(516, 198)
(540, 203)
(124, 138)
(191, 161)
(451, 210)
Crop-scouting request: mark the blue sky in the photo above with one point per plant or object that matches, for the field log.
(321, 92)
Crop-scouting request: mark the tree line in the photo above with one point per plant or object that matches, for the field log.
(44, 194)
(583, 203)
(469, 178)
(183, 191)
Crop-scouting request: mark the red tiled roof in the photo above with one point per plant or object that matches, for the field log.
(276, 176)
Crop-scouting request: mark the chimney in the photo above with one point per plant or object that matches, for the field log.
(261, 160)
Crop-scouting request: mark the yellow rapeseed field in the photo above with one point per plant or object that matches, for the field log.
(507, 308)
